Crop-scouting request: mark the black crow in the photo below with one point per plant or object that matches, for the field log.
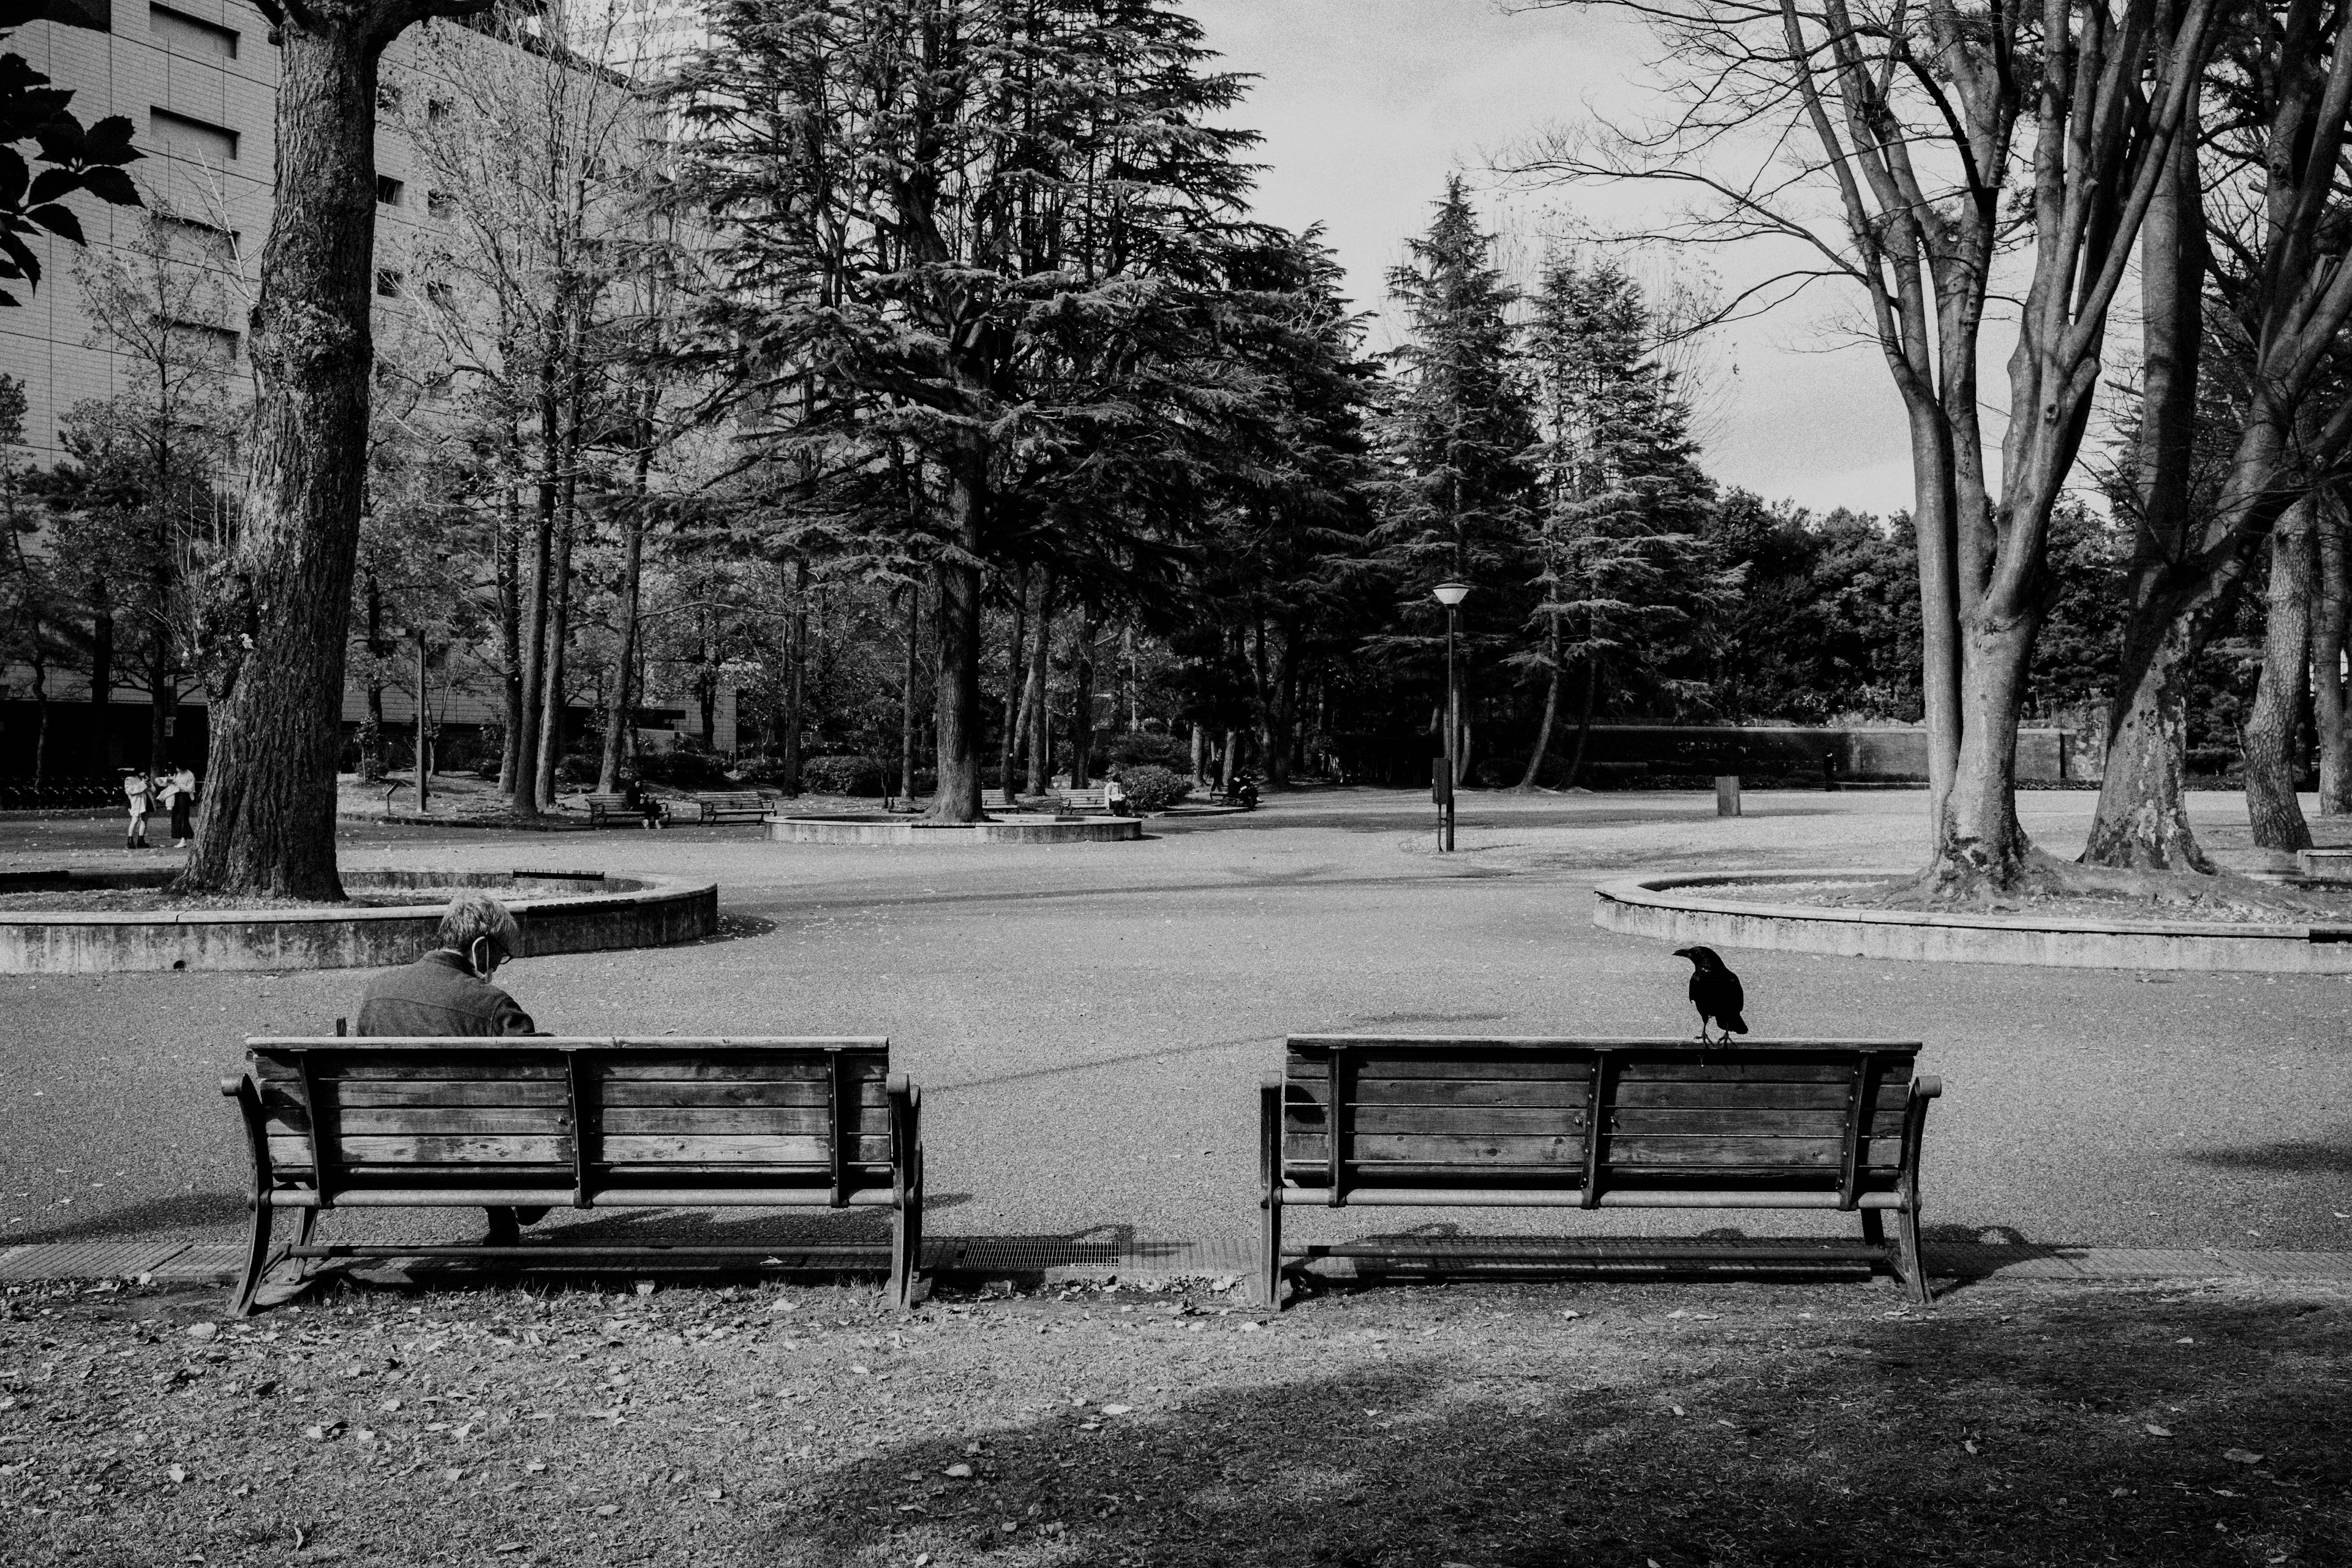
(1714, 992)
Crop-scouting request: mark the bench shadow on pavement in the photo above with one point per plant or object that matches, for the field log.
(180, 1212)
(1435, 1454)
(2292, 1156)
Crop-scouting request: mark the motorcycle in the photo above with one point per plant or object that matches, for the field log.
(1244, 792)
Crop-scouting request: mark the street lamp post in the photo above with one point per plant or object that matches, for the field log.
(1451, 594)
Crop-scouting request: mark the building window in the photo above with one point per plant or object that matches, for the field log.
(388, 282)
(185, 137)
(220, 338)
(387, 190)
(440, 203)
(188, 35)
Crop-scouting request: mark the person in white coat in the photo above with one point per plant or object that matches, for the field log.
(137, 792)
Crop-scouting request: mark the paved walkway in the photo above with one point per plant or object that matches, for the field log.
(1089, 1022)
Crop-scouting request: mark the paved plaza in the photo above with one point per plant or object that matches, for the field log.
(1089, 1022)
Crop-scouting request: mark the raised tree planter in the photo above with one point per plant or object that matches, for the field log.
(1712, 908)
(560, 912)
(1007, 827)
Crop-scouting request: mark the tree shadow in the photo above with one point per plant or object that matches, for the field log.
(1962, 1441)
(2296, 1156)
(181, 1211)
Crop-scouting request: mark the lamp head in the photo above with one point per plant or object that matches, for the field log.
(1450, 593)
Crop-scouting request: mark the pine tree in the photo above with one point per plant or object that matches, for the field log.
(972, 254)
(1624, 563)
(1456, 437)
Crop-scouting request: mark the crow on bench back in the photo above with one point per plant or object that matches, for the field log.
(1714, 991)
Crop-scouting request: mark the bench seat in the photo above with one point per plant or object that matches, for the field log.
(1440, 1122)
(545, 1122)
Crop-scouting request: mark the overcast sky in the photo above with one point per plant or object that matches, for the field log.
(1366, 105)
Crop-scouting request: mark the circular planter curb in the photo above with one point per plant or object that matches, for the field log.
(625, 911)
(1676, 909)
(1008, 828)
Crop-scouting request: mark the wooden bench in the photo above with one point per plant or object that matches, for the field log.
(1417, 1121)
(732, 805)
(550, 1122)
(1093, 802)
(614, 807)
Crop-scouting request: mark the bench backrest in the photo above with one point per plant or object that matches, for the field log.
(739, 799)
(578, 1117)
(604, 802)
(1559, 1115)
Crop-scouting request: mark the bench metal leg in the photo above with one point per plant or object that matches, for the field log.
(1269, 1198)
(259, 1259)
(1915, 1262)
(905, 1250)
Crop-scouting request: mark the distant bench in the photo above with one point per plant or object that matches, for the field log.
(543, 1122)
(1416, 1120)
(1094, 802)
(732, 805)
(616, 808)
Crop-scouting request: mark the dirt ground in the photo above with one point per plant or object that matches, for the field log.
(1506, 1426)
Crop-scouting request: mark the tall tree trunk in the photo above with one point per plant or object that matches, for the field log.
(796, 693)
(1583, 721)
(1978, 837)
(528, 801)
(101, 686)
(1082, 700)
(269, 821)
(2331, 606)
(506, 552)
(1040, 655)
(618, 712)
(2271, 724)
(1017, 700)
(1278, 675)
(956, 700)
(2142, 819)
(423, 741)
(41, 714)
(553, 709)
(907, 727)
(1200, 757)
(371, 733)
(1550, 710)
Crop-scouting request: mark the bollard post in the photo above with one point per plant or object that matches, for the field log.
(1727, 794)
(1441, 790)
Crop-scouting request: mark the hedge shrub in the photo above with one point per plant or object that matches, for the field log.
(1150, 788)
(841, 776)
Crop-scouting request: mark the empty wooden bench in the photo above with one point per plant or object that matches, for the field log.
(1094, 802)
(1360, 1119)
(732, 805)
(546, 1122)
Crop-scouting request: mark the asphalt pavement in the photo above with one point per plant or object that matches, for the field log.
(1089, 1021)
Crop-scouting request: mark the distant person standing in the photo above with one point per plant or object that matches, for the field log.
(179, 796)
(137, 791)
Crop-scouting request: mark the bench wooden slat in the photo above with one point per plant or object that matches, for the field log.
(698, 1069)
(357, 1094)
(479, 1150)
(1695, 1095)
(1700, 1149)
(1479, 1120)
(1822, 1123)
(769, 1119)
(652, 1149)
(1373, 1090)
(713, 1092)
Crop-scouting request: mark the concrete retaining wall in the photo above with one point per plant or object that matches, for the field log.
(559, 912)
(1707, 907)
(1006, 829)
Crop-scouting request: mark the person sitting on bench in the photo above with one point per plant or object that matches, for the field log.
(448, 993)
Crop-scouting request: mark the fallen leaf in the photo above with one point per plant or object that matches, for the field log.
(1116, 1409)
(2154, 1430)
(453, 1475)
(861, 1372)
(1676, 1408)
(606, 1511)
(958, 1472)
(203, 1331)
(508, 1546)
(176, 1473)
(2235, 1456)
(536, 1466)
(1971, 1446)
(644, 1287)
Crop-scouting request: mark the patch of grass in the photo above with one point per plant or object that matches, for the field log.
(1476, 1425)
